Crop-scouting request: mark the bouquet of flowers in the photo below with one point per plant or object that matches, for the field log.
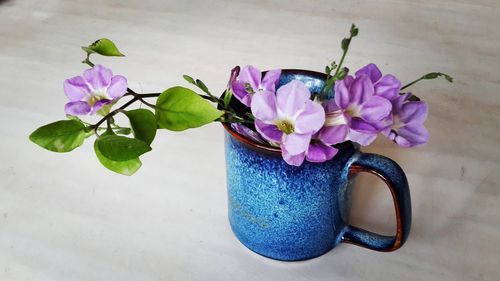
(305, 125)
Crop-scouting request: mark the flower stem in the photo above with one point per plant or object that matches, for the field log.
(342, 58)
(141, 97)
(87, 61)
(232, 117)
(113, 113)
(338, 75)
(428, 76)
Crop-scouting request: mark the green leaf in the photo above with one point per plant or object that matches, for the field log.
(180, 108)
(60, 136)
(143, 124)
(434, 75)
(87, 50)
(354, 30)
(119, 148)
(189, 79)
(109, 132)
(104, 47)
(431, 75)
(127, 168)
(202, 86)
(73, 117)
(228, 95)
(345, 44)
(123, 131)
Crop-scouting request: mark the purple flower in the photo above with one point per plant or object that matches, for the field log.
(386, 86)
(94, 90)
(247, 132)
(250, 82)
(234, 74)
(356, 113)
(319, 152)
(290, 119)
(406, 121)
(408, 117)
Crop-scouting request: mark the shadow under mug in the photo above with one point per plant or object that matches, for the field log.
(295, 213)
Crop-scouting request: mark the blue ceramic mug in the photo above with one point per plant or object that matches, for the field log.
(295, 213)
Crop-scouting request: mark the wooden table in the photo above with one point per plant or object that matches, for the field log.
(64, 217)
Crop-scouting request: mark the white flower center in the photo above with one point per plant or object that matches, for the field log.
(354, 110)
(95, 97)
(335, 118)
(285, 126)
(397, 123)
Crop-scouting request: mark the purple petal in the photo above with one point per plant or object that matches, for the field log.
(341, 94)
(388, 87)
(370, 70)
(77, 108)
(252, 76)
(333, 134)
(365, 127)
(99, 104)
(271, 79)
(76, 88)
(398, 102)
(294, 160)
(240, 92)
(319, 152)
(375, 108)
(263, 106)
(361, 138)
(411, 135)
(297, 143)
(269, 131)
(118, 87)
(348, 81)
(385, 124)
(361, 90)
(247, 132)
(414, 112)
(388, 133)
(292, 98)
(311, 119)
(98, 77)
(234, 74)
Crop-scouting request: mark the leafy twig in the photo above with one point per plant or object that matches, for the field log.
(340, 72)
(428, 76)
(141, 97)
(113, 113)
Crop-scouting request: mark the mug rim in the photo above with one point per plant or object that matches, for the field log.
(268, 148)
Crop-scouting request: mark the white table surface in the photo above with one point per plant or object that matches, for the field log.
(64, 217)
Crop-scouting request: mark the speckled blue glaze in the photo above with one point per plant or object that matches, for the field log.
(285, 212)
(294, 213)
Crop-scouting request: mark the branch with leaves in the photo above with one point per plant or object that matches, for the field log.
(176, 109)
(367, 104)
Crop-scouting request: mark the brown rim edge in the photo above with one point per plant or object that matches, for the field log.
(398, 238)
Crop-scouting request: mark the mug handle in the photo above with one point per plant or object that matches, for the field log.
(392, 174)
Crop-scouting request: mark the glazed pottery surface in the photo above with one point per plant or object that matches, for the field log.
(295, 213)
